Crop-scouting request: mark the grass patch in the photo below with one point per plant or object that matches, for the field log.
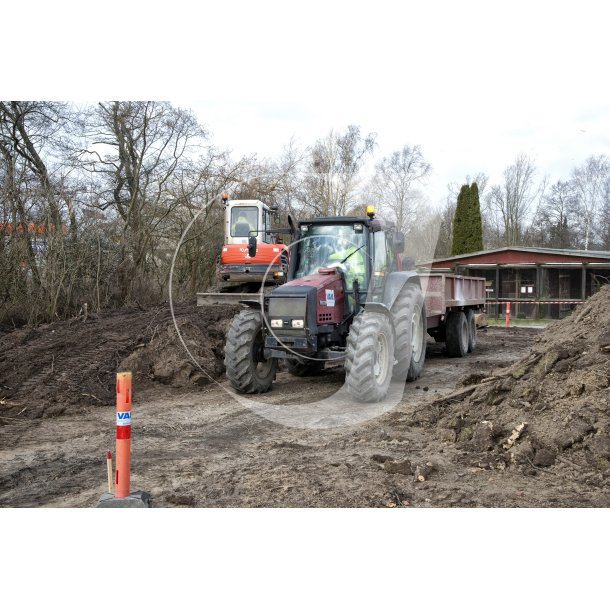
(518, 322)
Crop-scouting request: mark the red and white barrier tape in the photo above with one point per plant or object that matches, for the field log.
(534, 302)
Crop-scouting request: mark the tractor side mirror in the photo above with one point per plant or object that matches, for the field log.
(291, 223)
(252, 246)
(398, 242)
(276, 218)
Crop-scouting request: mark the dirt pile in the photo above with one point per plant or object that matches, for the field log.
(47, 369)
(551, 409)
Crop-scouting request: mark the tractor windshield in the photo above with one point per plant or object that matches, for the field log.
(333, 245)
(243, 221)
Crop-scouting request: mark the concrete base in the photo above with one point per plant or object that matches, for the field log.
(136, 499)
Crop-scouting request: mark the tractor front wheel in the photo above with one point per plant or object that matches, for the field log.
(369, 357)
(247, 369)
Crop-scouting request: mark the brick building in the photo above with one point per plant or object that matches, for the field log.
(538, 282)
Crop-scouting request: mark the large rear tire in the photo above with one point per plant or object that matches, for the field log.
(304, 369)
(457, 334)
(369, 357)
(247, 369)
(409, 314)
(472, 330)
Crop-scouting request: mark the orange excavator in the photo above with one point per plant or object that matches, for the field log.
(253, 253)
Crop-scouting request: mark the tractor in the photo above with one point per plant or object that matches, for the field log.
(348, 298)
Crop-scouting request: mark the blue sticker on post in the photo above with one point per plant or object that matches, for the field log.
(123, 418)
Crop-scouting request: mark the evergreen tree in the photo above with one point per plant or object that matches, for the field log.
(460, 222)
(476, 243)
(467, 224)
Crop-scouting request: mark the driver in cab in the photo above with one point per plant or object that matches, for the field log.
(348, 257)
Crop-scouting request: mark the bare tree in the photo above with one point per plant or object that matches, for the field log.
(589, 180)
(41, 270)
(604, 225)
(513, 200)
(482, 180)
(135, 150)
(445, 229)
(395, 181)
(332, 173)
(557, 216)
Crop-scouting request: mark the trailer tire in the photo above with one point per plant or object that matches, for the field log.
(457, 334)
(309, 368)
(409, 312)
(472, 330)
(247, 369)
(369, 357)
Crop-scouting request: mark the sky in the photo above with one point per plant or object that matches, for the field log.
(473, 83)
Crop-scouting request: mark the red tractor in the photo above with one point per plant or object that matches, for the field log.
(349, 297)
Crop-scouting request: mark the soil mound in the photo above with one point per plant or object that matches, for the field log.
(52, 367)
(551, 409)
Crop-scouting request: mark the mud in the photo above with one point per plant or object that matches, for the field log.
(446, 444)
(57, 368)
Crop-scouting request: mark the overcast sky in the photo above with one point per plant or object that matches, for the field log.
(473, 83)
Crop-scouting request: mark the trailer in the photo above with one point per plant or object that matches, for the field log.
(452, 301)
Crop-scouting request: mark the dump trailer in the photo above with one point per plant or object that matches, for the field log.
(349, 298)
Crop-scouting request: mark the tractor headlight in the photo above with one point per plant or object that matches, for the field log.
(297, 324)
(277, 323)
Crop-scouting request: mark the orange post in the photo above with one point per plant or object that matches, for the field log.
(507, 313)
(123, 434)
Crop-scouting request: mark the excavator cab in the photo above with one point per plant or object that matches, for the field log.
(251, 255)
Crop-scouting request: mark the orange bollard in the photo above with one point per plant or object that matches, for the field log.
(507, 313)
(122, 497)
(123, 434)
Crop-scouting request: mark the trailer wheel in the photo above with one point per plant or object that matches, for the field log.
(472, 330)
(409, 313)
(304, 369)
(457, 334)
(247, 369)
(369, 357)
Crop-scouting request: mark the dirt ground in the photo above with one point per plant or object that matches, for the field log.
(193, 444)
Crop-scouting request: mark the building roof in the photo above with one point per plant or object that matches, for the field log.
(538, 253)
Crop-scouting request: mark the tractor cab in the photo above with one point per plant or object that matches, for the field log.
(359, 250)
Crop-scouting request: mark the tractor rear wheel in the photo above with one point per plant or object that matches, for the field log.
(247, 369)
(409, 314)
(369, 357)
(304, 369)
(457, 334)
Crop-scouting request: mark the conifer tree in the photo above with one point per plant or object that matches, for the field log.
(467, 224)
(476, 243)
(460, 222)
